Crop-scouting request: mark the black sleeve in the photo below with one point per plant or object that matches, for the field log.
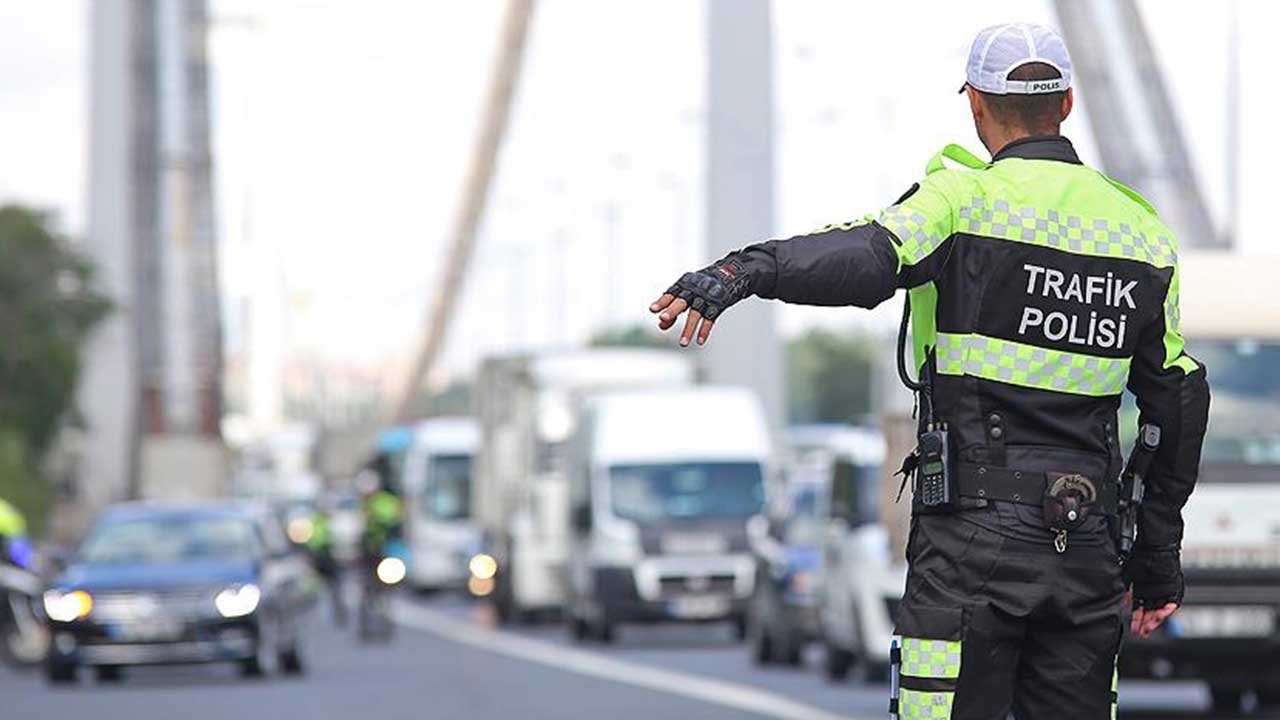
(843, 265)
(1172, 392)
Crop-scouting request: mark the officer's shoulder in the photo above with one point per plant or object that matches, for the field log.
(1138, 204)
(1129, 194)
(953, 168)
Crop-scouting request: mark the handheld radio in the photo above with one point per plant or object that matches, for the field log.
(931, 460)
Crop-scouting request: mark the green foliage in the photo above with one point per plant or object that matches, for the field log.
(829, 377)
(47, 307)
(828, 374)
(630, 336)
(19, 483)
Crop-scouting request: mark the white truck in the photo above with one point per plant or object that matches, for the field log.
(527, 408)
(436, 488)
(1226, 632)
(659, 519)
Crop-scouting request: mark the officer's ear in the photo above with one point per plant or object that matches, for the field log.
(975, 102)
(1068, 102)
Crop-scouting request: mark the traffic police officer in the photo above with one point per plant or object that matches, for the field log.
(1039, 290)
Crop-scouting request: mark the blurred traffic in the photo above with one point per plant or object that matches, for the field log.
(243, 473)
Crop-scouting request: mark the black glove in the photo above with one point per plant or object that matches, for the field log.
(1156, 576)
(714, 288)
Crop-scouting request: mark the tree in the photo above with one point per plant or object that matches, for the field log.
(630, 336)
(48, 305)
(829, 377)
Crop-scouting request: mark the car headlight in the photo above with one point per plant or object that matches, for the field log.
(391, 570)
(65, 607)
(479, 587)
(237, 601)
(483, 566)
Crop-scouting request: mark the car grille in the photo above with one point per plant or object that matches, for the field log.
(118, 606)
(678, 585)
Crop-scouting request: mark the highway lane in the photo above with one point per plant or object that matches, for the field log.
(418, 675)
(710, 652)
(448, 662)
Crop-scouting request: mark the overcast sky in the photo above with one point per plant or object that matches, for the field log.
(342, 129)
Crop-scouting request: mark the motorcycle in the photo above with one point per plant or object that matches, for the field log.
(23, 637)
(379, 575)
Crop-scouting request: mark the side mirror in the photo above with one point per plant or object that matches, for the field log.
(758, 527)
(580, 517)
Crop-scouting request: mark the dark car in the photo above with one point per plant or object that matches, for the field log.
(782, 616)
(164, 584)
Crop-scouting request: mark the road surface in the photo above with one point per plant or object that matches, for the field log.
(446, 661)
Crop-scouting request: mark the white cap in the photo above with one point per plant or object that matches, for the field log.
(1001, 49)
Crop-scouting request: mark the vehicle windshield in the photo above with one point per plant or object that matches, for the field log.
(448, 491)
(171, 539)
(1244, 417)
(686, 491)
(855, 492)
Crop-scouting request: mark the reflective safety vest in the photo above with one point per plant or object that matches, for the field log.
(1039, 290)
(382, 516)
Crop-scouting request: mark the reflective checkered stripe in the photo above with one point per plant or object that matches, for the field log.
(917, 704)
(1067, 232)
(1030, 366)
(1115, 686)
(918, 235)
(924, 658)
(1174, 354)
(924, 220)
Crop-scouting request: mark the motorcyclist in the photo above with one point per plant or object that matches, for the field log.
(16, 559)
(382, 514)
(320, 546)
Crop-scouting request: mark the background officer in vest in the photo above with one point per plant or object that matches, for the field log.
(1040, 290)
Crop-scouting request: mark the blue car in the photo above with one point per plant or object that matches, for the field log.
(160, 584)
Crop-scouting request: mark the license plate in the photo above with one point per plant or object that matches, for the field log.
(1240, 621)
(151, 631)
(700, 607)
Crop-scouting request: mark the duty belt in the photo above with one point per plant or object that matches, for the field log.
(1025, 487)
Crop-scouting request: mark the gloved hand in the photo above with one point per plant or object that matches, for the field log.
(1156, 576)
(705, 294)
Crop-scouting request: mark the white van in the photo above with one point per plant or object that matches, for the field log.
(658, 517)
(528, 409)
(439, 528)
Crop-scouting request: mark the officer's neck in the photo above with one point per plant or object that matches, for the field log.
(996, 138)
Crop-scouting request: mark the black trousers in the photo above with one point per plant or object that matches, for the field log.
(995, 622)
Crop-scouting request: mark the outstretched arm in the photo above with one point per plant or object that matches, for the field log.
(858, 263)
(845, 265)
